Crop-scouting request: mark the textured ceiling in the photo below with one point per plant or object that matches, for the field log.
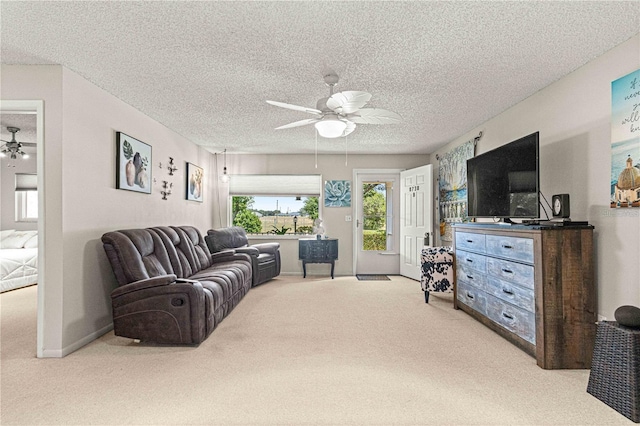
(25, 122)
(205, 69)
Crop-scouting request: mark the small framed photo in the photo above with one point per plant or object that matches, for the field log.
(133, 164)
(195, 182)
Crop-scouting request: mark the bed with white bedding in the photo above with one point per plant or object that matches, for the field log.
(18, 259)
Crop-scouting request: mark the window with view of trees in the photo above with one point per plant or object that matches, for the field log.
(275, 215)
(376, 216)
(275, 204)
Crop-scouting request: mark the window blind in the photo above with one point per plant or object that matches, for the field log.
(275, 185)
(26, 182)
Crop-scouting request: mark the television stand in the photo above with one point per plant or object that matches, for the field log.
(534, 286)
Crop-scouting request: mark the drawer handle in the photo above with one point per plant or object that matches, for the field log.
(470, 241)
(470, 277)
(469, 260)
(507, 271)
(509, 292)
(507, 246)
(470, 296)
(506, 315)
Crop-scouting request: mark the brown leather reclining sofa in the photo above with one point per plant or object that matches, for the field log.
(172, 290)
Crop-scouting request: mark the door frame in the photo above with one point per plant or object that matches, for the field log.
(354, 228)
(37, 107)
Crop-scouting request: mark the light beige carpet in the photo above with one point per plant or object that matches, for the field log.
(298, 352)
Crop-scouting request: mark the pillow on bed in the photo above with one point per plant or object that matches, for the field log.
(6, 233)
(32, 242)
(17, 239)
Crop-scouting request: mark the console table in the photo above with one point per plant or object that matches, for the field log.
(533, 285)
(317, 251)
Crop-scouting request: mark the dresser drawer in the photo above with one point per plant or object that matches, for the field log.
(516, 320)
(516, 295)
(517, 273)
(474, 261)
(472, 297)
(470, 241)
(470, 276)
(515, 248)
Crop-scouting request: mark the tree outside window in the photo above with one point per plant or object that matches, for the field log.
(275, 214)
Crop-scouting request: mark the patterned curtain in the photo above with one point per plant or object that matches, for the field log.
(453, 187)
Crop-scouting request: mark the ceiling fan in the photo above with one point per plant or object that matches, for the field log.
(13, 147)
(338, 114)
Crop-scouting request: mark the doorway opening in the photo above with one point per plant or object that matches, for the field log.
(35, 107)
(377, 222)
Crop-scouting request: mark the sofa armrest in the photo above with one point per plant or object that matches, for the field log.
(229, 255)
(267, 247)
(159, 281)
(223, 256)
(252, 251)
(161, 309)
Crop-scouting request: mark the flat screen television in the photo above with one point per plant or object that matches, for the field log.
(504, 183)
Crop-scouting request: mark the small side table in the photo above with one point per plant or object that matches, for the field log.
(615, 368)
(312, 250)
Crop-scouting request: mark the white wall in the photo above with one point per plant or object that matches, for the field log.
(573, 118)
(8, 199)
(81, 200)
(331, 167)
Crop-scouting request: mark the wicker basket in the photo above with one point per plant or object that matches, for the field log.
(615, 368)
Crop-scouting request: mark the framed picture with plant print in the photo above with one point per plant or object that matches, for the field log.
(133, 160)
(195, 180)
(337, 193)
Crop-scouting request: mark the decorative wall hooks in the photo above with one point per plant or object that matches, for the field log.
(170, 166)
(166, 189)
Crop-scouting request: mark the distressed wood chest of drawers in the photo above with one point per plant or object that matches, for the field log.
(531, 284)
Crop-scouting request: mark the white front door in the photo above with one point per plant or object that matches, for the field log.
(416, 229)
(377, 249)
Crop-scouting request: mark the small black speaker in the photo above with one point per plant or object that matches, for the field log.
(560, 205)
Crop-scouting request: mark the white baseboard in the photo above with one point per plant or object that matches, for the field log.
(59, 353)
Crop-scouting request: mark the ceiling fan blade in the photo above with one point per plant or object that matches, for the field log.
(351, 126)
(299, 123)
(28, 144)
(294, 107)
(348, 102)
(375, 116)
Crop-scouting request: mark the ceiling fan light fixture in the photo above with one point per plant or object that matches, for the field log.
(224, 177)
(331, 127)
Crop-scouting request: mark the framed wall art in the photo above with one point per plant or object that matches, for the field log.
(625, 141)
(133, 160)
(195, 182)
(337, 193)
(452, 186)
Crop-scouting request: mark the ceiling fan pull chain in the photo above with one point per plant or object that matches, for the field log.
(346, 149)
(316, 148)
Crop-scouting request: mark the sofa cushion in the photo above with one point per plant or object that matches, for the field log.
(226, 238)
(136, 254)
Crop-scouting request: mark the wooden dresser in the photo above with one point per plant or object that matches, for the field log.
(533, 285)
